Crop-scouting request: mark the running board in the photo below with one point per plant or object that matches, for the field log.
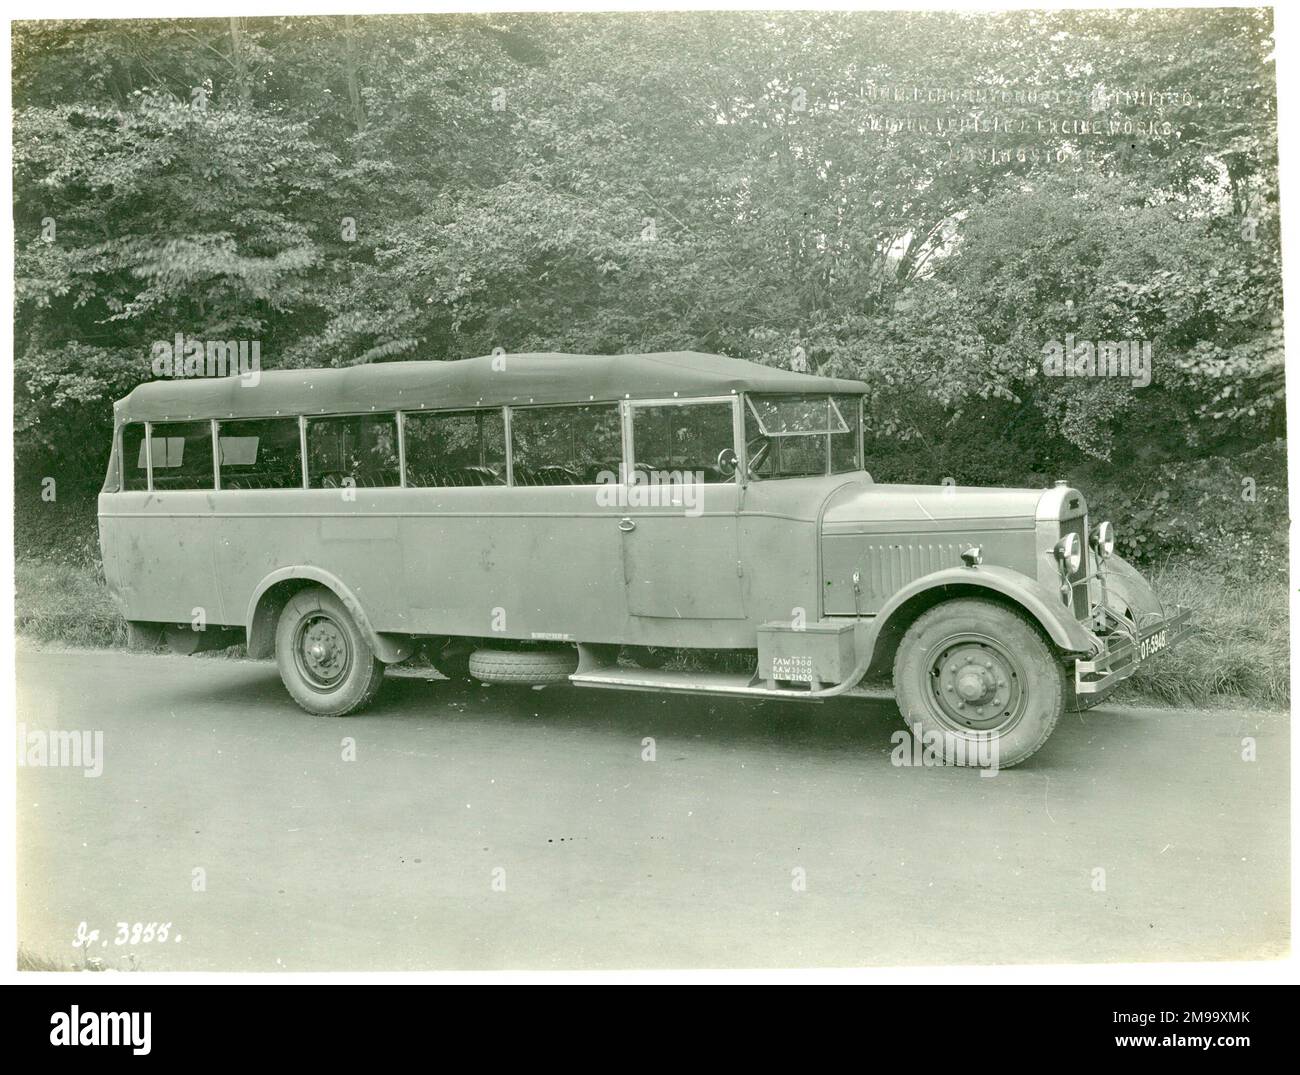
(659, 680)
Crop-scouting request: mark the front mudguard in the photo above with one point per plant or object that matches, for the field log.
(1137, 625)
(1128, 595)
(1039, 602)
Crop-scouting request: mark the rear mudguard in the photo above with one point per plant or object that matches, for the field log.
(261, 616)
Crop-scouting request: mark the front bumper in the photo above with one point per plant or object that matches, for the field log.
(1122, 652)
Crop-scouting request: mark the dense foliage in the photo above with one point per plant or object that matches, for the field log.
(773, 187)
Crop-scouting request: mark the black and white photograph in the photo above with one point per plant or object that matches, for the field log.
(646, 491)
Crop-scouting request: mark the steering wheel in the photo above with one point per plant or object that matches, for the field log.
(725, 467)
(757, 456)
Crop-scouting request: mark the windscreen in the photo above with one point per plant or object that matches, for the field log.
(800, 436)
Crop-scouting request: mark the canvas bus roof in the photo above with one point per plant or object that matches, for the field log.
(489, 381)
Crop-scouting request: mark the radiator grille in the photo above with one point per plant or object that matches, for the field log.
(1079, 598)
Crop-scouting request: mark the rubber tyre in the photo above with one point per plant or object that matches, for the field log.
(364, 673)
(1012, 639)
(523, 667)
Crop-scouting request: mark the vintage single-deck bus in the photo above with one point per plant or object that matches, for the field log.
(544, 518)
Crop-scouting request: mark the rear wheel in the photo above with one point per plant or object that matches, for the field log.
(325, 661)
(979, 684)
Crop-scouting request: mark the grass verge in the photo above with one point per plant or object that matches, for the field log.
(66, 603)
(1240, 649)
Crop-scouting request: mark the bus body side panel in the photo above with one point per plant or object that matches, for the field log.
(779, 528)
(351, 534)
(780, 565)
(523, 562)
(540, 562)
(158, 556)
(514, 562)
(520, 563)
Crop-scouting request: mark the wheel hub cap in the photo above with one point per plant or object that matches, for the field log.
(324, 654)
(974, 683)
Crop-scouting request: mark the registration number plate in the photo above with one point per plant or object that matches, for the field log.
(1152, 644)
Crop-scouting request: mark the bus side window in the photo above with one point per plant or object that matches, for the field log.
(182, 455)
(455, 448)
(570, 445)
(260, 453)
(358, 450)
(135, 465)
(685, 439)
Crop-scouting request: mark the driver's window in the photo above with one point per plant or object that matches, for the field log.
(685, 441)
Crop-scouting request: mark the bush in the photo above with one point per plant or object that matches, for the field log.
(1228, 513)
(62, 531)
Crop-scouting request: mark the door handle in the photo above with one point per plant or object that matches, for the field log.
(626, 525)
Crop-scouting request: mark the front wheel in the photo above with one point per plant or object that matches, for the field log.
(978, 683)
(325, 661)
